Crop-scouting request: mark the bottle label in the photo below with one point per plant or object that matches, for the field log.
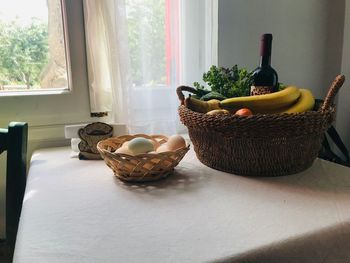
(260, 90)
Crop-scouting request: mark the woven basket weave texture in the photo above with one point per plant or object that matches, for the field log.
(258, 145)
(142, 167)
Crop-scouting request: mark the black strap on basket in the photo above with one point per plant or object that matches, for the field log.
(328, 154)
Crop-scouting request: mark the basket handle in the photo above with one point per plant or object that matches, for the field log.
(181, 96)
(333, 90)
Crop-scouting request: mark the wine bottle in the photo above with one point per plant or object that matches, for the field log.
(265, 78)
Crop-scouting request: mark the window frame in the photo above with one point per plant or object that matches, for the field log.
(48, 113)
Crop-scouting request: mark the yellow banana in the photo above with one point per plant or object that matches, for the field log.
(202, 106)
(262, 103)
(305, 103)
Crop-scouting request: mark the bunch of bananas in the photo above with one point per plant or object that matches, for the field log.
(289, 100)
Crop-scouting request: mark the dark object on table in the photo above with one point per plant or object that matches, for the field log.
(90, 135)
(332, 138)
(327, 153)
(14, 141)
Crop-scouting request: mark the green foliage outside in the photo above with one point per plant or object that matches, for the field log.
(24, 49)
(146, 37)
(23, 52)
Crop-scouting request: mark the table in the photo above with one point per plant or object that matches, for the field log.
(78, 211)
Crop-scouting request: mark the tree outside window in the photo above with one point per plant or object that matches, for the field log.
(32, 45)
(146, 37)
(23, 52)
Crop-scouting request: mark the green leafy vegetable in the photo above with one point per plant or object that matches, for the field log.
(201, 91)
(281, 86)
(229, 82)
(226, 83)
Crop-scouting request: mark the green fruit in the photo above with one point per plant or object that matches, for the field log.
(213, 95)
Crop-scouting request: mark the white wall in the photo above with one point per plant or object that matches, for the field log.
(343, 116)
(307, 45)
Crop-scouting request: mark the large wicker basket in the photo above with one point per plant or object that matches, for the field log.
(261, 144)
(142, 167)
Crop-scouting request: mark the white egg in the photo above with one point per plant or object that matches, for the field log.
(155, 144)
(140, 145)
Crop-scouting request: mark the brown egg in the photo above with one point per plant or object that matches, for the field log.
(176, 142)
(163, 148)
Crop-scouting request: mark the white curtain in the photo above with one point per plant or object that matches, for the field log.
(107, 57)
(135, 51)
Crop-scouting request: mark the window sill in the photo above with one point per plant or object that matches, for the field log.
(40, 92)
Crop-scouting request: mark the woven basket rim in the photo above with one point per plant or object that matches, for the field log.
(101, 145)
(303, 122)
(271, 116)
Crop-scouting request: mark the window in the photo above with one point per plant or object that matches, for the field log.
(170, 41)
(47, 111)
(32, 46)
(138, 52)
(152, 53)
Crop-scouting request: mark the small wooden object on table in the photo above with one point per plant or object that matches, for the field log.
(90, 135)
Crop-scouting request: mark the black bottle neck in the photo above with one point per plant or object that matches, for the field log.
(265, 61)
(265, 50)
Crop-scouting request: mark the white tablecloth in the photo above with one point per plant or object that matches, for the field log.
(77, 211)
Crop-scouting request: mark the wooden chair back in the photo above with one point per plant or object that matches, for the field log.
(14, 141)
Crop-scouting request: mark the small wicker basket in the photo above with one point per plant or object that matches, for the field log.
(141, 167)
(261, 144)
